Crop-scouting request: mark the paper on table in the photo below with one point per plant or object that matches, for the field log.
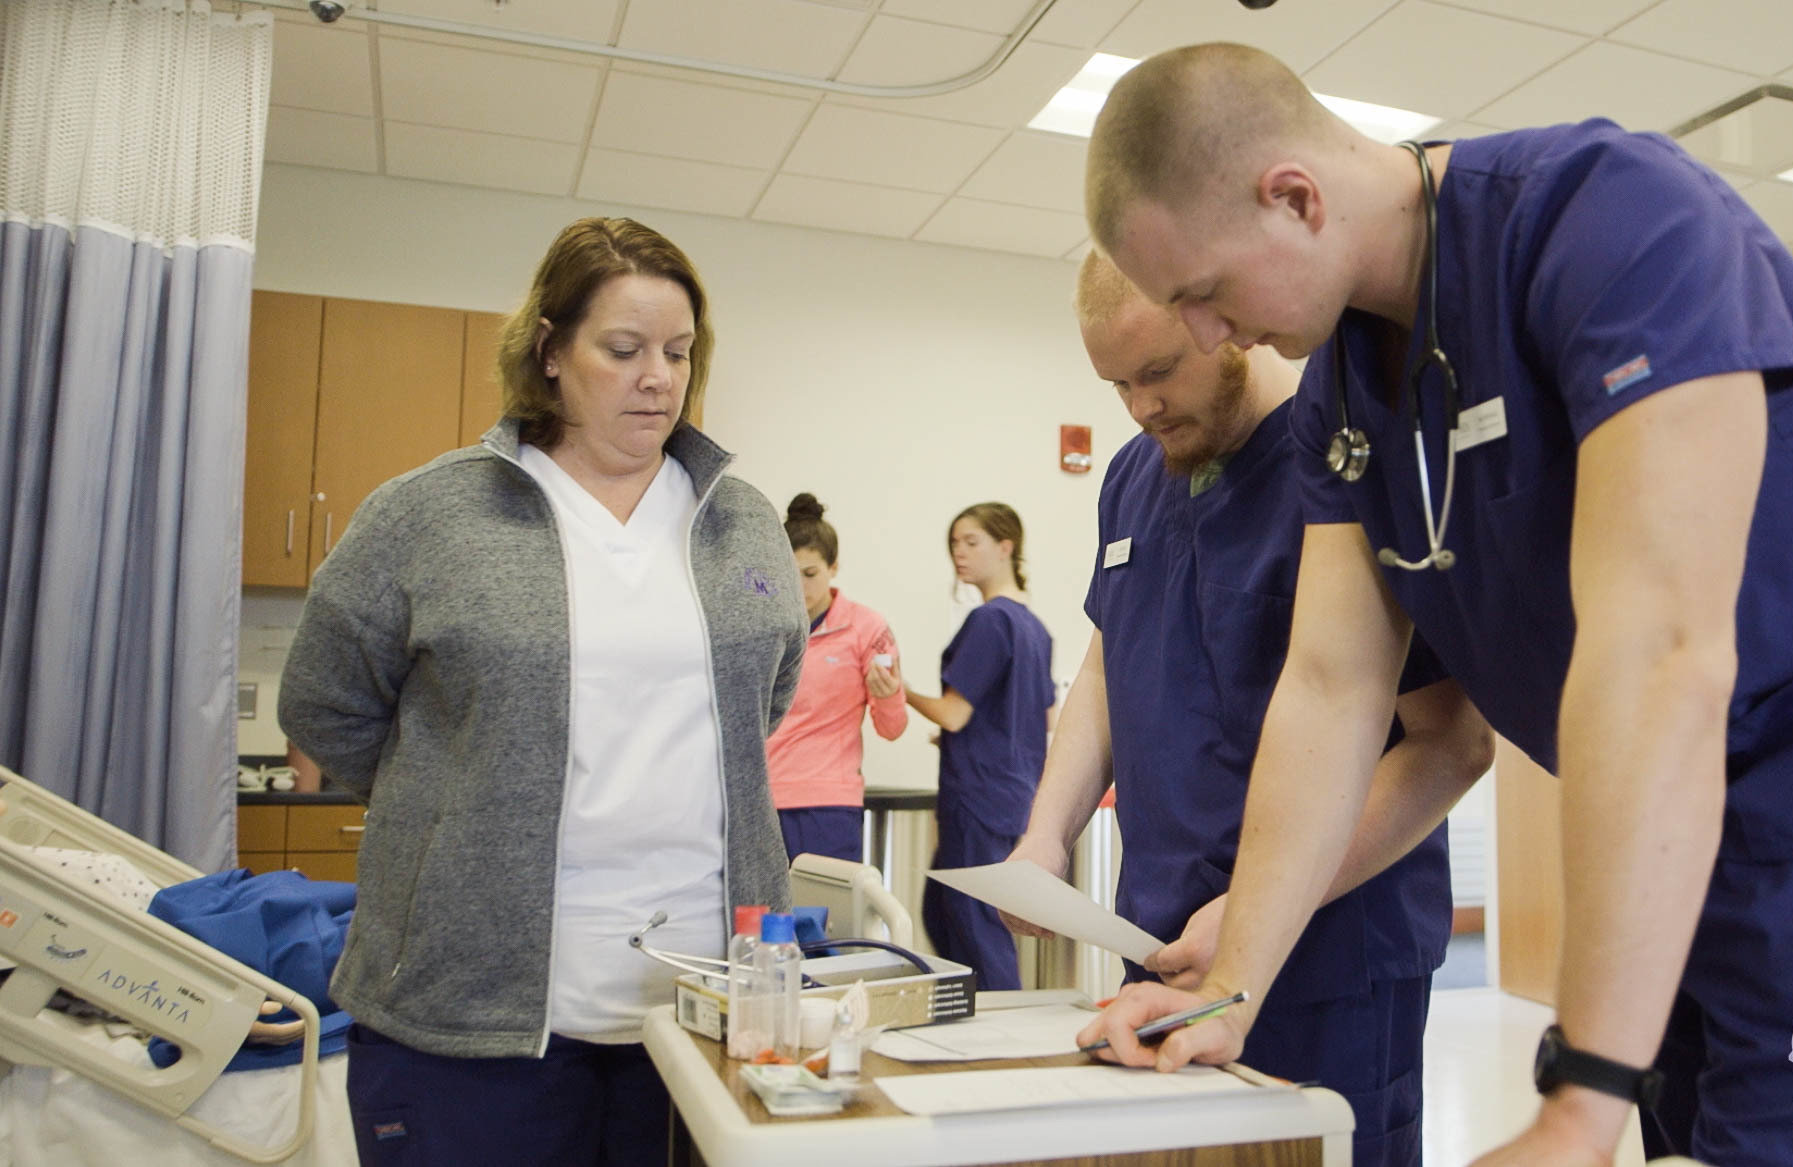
(966, 1091)
(1037, 1031)
(1027, 890)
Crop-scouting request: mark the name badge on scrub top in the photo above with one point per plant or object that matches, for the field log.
(1117, 552)
(1482, 423)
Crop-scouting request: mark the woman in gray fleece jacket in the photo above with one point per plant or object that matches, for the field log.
(549, 664)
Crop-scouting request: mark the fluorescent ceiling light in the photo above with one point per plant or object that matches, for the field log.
(1073, 109)
(1785, 176)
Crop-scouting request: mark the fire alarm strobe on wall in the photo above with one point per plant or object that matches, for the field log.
(1073, 449)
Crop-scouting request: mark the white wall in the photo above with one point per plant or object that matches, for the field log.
(897, 381)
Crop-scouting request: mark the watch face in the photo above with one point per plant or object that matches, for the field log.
(1544, 1065)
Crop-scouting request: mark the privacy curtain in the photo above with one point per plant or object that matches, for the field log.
(130, 163)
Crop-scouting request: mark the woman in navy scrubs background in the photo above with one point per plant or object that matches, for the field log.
(996, 697)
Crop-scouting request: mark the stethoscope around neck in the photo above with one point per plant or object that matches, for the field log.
(1349, 452)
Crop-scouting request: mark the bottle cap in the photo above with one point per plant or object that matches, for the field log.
(778, 928)
(747, 919)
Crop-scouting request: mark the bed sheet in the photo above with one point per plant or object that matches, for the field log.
(57, 1118)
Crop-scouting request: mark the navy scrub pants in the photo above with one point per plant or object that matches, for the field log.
(579, 1105)
(962, 929)
(838, 831)
(1727, 1058)
(1368, 1047)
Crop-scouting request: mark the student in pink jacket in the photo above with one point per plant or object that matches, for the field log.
(851, 665)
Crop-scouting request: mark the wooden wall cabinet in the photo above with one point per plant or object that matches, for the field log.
(343, 395)
(321, 841)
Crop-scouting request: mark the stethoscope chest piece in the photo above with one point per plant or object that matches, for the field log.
(1348, 455)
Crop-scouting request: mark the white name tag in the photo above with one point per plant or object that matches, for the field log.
(1118, 552)
(1482, 423)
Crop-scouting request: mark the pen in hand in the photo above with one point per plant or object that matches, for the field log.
(1176, 1020)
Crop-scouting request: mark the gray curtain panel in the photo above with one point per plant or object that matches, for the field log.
(122, 406)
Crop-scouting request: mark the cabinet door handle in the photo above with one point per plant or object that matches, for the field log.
(352, 830)
(329, 520)
(289, 531)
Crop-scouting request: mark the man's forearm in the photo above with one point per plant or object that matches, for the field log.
(1079, 765)
(1445, 748)
(1642, 764)
(1315, 763)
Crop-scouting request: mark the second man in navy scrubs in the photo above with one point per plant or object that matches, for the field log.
(1194, 582)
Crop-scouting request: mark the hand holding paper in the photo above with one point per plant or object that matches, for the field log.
(1025, 889)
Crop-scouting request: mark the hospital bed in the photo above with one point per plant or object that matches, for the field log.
(83, 1091)
(858, 903)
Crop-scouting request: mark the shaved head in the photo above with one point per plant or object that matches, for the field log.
(1194, 122)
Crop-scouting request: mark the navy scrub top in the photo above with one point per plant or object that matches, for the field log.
(1000, 660)
(1193, 597)
(1580, 269)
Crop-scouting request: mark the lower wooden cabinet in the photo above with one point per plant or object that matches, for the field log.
(320, 840)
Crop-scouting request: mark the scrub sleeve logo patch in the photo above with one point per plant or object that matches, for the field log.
(1630, 373)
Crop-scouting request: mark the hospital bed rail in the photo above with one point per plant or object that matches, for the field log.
(67, 936)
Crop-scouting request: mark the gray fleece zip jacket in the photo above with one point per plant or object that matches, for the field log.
(430, 676)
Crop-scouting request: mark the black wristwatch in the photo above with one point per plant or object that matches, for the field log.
(1560, 1063)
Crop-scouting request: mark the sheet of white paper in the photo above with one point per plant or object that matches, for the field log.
(1037, 1031)
(1027, 890)
(968, 1091)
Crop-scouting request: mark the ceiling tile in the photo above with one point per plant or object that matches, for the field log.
(1000, 16)
(786, 36)
(1755, 36)
(1755, 140)
(1457, 131)
(584, 20)
(675, 184)
(322, 67)
(894, 51)
(495, 93)
(1033, 170)
(1008, 97)
(845, 206)
(1592, 17)
(309, 137)
(1773, 200)
(1639, 90)
(1081, 23)
(1000, 227)
(887, 149)
(474, 159)
(1300, 35)
(1441, 61)
(705, 123)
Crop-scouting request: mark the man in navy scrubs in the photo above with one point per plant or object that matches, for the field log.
(1607, 568)
(1194, 580)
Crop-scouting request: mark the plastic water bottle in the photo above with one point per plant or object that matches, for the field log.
(749, 1023)
(778, 967)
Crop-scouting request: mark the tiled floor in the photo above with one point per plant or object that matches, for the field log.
(1479, 1046)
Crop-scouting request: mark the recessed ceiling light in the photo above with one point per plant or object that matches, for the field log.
(1073, 109)
(1785, 176)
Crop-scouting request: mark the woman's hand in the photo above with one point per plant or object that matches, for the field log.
(883, 682)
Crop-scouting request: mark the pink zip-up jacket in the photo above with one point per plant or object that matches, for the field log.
(813, 758)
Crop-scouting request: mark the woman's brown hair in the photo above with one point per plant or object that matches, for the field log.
(999, 521)
(585, 255)
(805, 527)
